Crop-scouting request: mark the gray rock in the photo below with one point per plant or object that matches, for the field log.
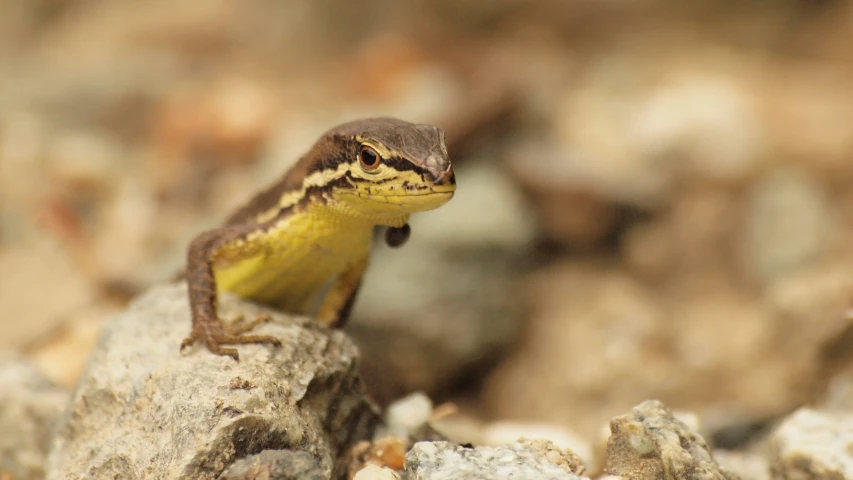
(650, 443)
(748, 465)
(788, 225)
(537, 459)
(434, 310)
(30, 407)
(433, 318)
(373, 472)
(276, 465)
(408, 414)
(144, 410)
(813, 444)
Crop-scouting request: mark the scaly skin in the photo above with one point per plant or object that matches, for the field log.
(315, 225)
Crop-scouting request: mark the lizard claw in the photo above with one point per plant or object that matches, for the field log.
(232, 335)
(187, 342)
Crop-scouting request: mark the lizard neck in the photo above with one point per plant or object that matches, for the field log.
(343, 214)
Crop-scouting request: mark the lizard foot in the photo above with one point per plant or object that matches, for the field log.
(240, 326)
(231, 335)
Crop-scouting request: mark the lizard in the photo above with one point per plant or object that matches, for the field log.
(313, 227)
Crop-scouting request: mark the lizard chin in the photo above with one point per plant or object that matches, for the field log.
(402, 203)
(421, 202)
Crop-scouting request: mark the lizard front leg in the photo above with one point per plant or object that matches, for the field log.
(201, 283)
(338, 302)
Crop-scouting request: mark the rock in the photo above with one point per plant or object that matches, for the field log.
(276, 465)
(463, 427)
(818, 331)
(745, 464)
(788, 226)
(40, 266)
(526, 459)
(433, 311)
(229, 121)
(84, 162)
(406, 422)
(562, 457)
(687, 114)
(442, 340)
(407, 414)
(62, 356)
(691, 239)
(651, 443)
(570, 212)
(813, 444)
(594, 124)
(372, 472)
(632, 138)
(489, 212)
(580, 311)
(671, 342)
(648, 250)
(807, 109)
(30, 407)
(385, 452)
(832, 387)
(144, 410)
(505, 432)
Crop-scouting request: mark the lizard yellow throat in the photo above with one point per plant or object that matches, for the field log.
(314, 226)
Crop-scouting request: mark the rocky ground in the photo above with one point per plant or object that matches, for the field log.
(654, 203)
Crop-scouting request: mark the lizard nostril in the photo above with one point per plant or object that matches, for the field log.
(446, 178)
(437, 167)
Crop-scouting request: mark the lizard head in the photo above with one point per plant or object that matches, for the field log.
(387, 169)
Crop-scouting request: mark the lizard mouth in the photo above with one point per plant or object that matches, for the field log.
(422, 192)
(403, 201)
(415, 196)
(422, 200)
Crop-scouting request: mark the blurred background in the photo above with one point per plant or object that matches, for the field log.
(654, 197)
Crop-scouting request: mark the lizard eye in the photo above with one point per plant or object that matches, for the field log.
(368, 158)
